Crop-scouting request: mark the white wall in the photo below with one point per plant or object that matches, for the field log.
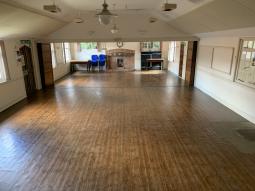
(220, 85)
(12, 91)
(174, 66)
(61, 68)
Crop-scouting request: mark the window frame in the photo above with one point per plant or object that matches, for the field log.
(91, 43)
(174, 48)
(149, 46)
(53, 55)
(238, 60)
(5, 63)
(64, 52)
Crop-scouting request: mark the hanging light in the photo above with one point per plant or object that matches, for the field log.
(105, 16)
(115, 29)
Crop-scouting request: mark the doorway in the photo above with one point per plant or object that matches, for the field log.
(182, 60)
(45, 63)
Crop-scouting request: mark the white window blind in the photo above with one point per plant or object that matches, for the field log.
(3, 64)
(53, 55)
(67, 52)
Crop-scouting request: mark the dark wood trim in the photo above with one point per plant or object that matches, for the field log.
(191, 63)
(28, 70)
(45, 63)
(181, 59)
(39, 51)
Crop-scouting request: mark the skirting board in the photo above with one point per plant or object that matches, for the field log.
(228, 105)
(12, 103)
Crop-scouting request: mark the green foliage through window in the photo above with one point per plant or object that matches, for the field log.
(88, 45)
(150, 46)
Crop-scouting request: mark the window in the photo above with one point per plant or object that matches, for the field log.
(67, 52)
(172, 51)
(88, 46)
(156, 45)
(246, 66)
(3, 64)
(150, 46)
(53, 55)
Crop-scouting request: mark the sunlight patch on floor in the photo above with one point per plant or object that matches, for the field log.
(150, 72)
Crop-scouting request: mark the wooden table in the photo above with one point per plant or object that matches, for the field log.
(155, 60)
(80, 62)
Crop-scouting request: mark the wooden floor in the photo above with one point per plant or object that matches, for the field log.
(121, 131)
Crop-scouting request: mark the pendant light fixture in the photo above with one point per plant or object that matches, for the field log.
(115, 29)
(105, 16)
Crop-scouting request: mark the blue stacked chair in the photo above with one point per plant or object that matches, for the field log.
(102, 61)
(94, 61)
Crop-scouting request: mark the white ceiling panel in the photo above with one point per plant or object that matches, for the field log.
(191, 17)
(216, 16)
(70, 8)
(16, 22)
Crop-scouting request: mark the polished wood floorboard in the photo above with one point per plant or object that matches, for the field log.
(120, 131)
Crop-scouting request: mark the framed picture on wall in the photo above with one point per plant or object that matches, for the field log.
(245, 72)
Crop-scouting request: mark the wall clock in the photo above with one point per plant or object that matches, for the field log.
(120, 44)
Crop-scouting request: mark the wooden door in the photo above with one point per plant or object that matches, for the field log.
(45, 62)
(181, 59)
(28, 70)
(191, 63)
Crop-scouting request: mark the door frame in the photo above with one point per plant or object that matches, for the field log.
(182, 47)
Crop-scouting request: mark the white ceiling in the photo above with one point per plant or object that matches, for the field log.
(16, 23)
(132, 28)
(70, 8)
(218, 15)
(27, 18)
